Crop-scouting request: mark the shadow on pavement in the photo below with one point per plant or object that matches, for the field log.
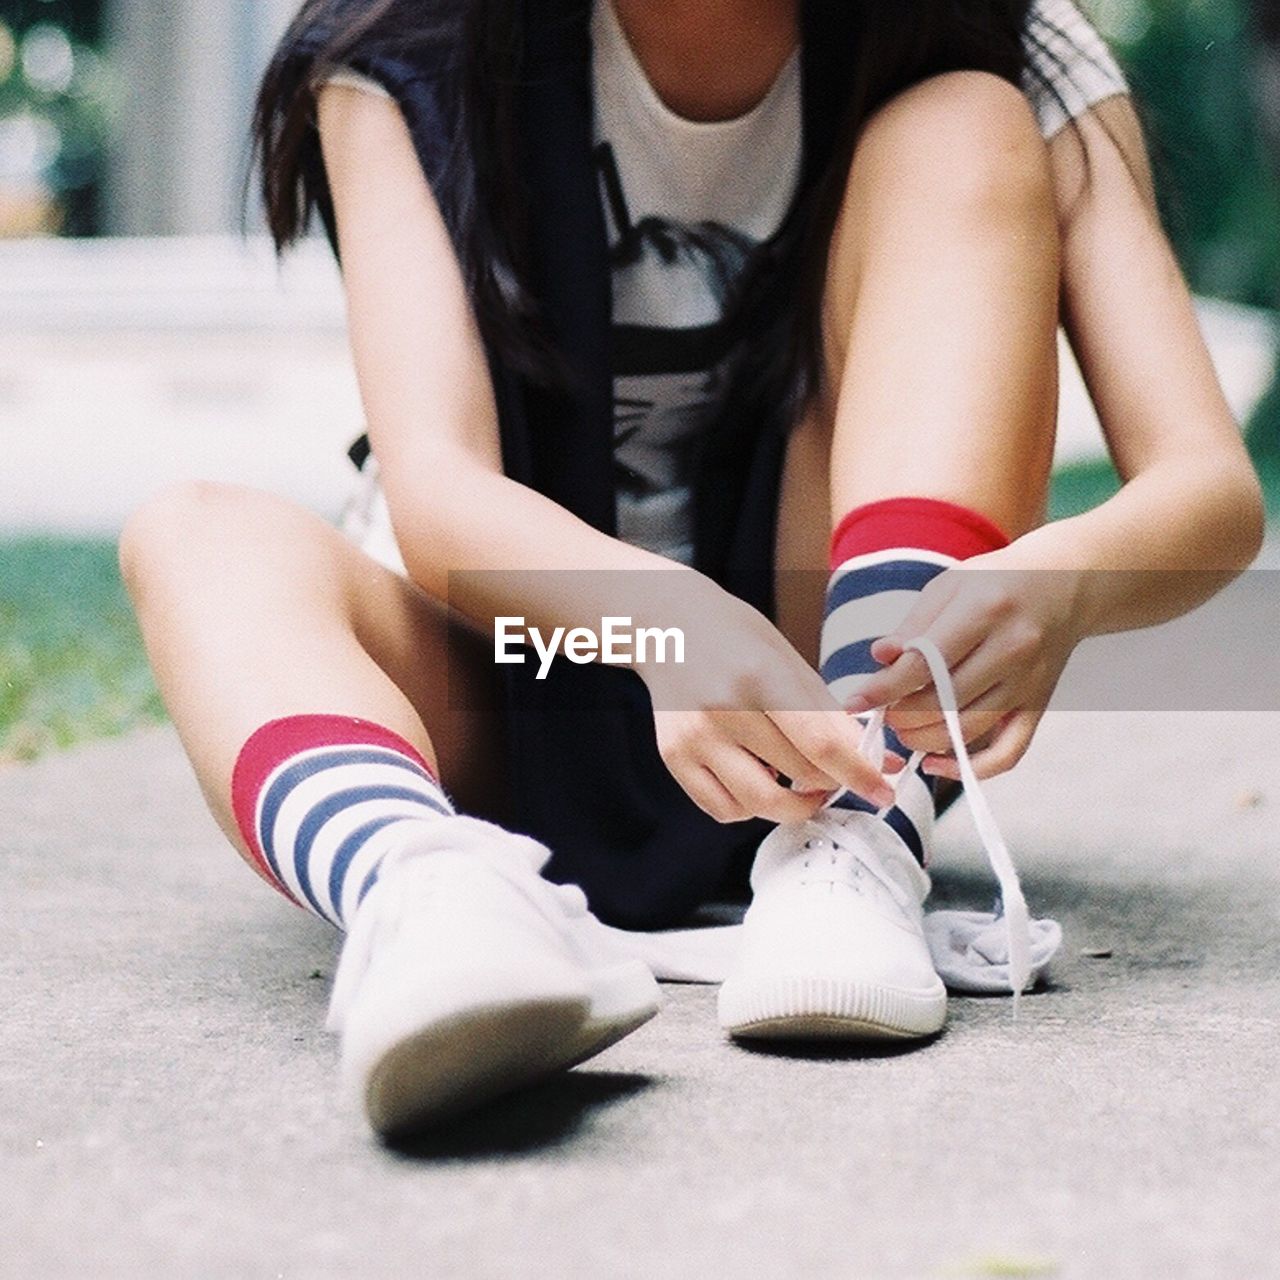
(547, 1116)
(836, 1050)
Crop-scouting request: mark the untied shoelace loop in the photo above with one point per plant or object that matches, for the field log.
(1016, 917)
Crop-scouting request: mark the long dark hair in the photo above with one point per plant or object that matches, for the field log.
(475, 47)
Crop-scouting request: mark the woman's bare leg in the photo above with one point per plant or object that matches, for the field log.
(941, 314)
(936, 426)
(461, 986)
(254, 609)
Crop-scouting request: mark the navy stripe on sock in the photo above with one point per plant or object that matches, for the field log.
(347, 851)
(862, 581)
(851, 660)
(906, 829)
(858, 583)
(895, 818)
(369, 881)
(334, 804)
(278, 792)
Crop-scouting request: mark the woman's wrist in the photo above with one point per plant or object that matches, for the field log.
(1073, 581)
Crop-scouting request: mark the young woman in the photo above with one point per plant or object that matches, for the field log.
(736, 316)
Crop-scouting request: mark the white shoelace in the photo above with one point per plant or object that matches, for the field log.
(1014, 906)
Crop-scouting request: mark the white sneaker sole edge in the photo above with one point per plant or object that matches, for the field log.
(468, 1057)
(806, 1008)
(623, 998)
(463, 1057)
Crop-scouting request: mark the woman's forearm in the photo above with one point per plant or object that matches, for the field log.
(1173, 536)
(429, 403)
(1189, 516)
(492, 547)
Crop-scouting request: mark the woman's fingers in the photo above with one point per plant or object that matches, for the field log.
(928, 607)
(977, 719)
(829, 740)
(975, 677)
(710, 794)
(1010, 649)
(987, 606)
(755, 731)
(683, 738)
(956, 632)
(756, 791)
(723, 776)
(1008, 746)
(1005, 749)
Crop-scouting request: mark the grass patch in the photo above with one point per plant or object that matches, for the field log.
(1081, 487)
(1268, 463)
(72, 666)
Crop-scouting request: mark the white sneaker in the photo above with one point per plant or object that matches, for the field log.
(466, 974)
(833, 944)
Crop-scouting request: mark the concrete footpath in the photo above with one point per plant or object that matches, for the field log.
(169, 1110)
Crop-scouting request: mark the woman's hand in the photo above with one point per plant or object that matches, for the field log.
(744, 709)
(1005, 632)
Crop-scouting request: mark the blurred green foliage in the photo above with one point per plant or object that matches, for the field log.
(1193, 68)
(57, 100)
(71, 660)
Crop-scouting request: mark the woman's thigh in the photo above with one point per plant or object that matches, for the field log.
(445, 669)
(804, 534)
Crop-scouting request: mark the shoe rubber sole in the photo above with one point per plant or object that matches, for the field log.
(828, 1009)
(473, 1055)
(468, 1058)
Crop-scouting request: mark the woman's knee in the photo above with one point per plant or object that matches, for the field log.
(968, 138)
(183, 529)
(952, 162)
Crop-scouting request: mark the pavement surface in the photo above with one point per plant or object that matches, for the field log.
(170, 1110)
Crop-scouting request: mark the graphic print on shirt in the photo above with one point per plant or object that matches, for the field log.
(671, 285)
(686, 203)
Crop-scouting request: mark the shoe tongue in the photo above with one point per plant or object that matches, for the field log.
(782, 851)
(782, 848)
(896, 860)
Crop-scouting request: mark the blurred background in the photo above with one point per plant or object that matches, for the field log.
(147, 333)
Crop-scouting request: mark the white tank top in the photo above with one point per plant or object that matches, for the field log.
(686, 204)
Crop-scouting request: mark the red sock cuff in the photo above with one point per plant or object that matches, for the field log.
(923, 524)
(279, 740)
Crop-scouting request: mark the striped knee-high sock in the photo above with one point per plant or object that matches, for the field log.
(882, 556)
(321, 799)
